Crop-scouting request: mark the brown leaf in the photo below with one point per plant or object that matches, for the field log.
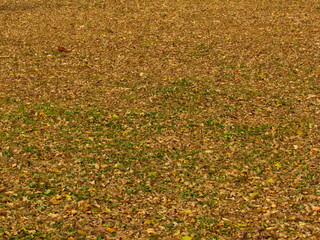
(63, 49)
(3, 212)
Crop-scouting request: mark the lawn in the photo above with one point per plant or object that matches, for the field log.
(182, 120)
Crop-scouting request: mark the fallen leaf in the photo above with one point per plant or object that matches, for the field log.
(81, 232)
(176, 234)
(147, 222)
(278, 165)
(111, 230)
(254, 195)
(187, 211)
(53, 215)
(73, 211)
(58, 197)
(54, 202)
(272, 228)
(63, 49)
(107, 210)
(3, 212)
(150, 231)
(270, 180)
(68, 196)
(186, 238)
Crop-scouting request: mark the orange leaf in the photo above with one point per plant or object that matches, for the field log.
(111, 230)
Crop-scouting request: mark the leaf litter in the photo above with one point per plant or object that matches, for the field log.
(167, 120)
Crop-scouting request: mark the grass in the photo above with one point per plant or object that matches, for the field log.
(172, 120)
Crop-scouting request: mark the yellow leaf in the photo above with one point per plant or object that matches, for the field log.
(68, 196)
(115, 116)
(270, 180)
(254, 195)
(107, 210)
(186, 238)
(278, 165)
(241, 225)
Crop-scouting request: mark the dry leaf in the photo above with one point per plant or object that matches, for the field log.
(81, 232)
(186, 238)
(111, 230)
(58, 197)
(272, 228)
(107, 210)
(3, 212)
(150, 231)
(55, 202)
(270, 180)
(63, 49)
(73, 211)
(254, 195)
(278, 165)
(147, 222)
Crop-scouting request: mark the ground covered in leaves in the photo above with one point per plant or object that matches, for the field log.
(181, 119)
